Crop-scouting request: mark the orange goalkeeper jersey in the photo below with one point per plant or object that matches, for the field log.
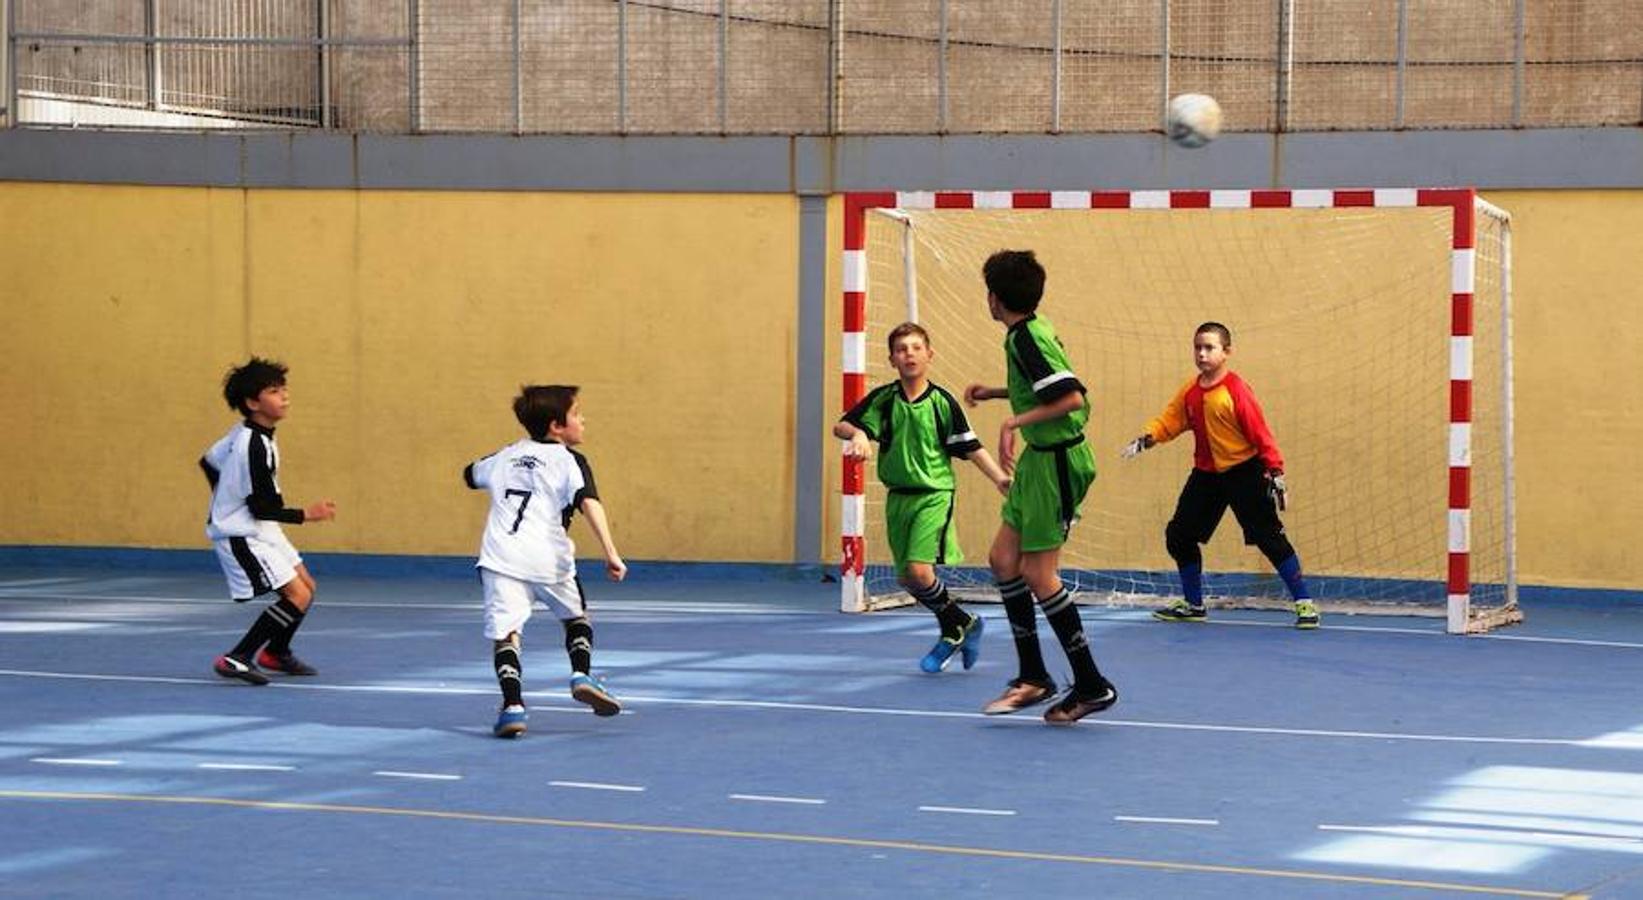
(1226, 423)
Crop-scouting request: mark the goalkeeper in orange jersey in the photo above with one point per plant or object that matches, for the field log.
(1236, 463)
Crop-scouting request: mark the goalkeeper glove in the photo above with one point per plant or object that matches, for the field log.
(1276, 489)
(1134, 448)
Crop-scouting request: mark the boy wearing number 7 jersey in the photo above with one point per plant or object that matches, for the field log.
(526, 556)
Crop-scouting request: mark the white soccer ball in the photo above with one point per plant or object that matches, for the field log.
(1194, 119)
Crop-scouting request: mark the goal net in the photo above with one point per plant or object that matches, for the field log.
(1374, 326)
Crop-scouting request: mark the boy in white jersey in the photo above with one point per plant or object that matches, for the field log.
(526, 556)
(244, 524)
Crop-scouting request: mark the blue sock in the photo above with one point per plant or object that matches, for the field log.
(1192, 583)
(1290, 571)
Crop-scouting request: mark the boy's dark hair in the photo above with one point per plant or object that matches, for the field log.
(246, 382)
(541, 405)
(1016, 278)
(905, 329)
(1217, 328)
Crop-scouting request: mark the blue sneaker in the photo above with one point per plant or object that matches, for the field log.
(940, 655)
(510, 723)
(590, 690)
(970, 648)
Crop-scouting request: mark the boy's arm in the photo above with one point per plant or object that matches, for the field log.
(975, 393)
(265, 501)
(857, 443)
(587, 500)
(477, 474)
(595, 513)
(1043, 412)
(984, 461)
(853, 427)
(1166, 427)
(1252, 421)
(211, 473)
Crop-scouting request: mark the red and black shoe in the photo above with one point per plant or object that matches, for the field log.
(234, 667)
(285, 663)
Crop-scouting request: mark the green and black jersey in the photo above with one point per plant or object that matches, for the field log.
(1040, 374)
(917, 438)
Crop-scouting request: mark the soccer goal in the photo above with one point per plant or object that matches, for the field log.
(1374, 325)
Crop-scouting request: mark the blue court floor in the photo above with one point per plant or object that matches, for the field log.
(774, 747)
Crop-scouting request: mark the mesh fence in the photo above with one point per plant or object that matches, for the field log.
(831, 66)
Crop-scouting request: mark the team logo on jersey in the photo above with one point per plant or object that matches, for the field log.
(526, 462)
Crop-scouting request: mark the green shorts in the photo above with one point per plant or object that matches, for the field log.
(919, 527)
(1049, 486)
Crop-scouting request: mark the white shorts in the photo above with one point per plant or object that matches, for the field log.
(508, 602)
(257, 564)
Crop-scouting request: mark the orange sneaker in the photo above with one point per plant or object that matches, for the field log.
(1020, 694)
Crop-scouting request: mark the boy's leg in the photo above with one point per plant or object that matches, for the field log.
(960, 631)
(269, 563)
(1198, 512)
(1040, 569)
(507, 609)
(1051, 484)
(1033, 684)
(1258, 514)
(511, 721)
(569, 603)
(277, 656)
(930, 591)
(510, 670)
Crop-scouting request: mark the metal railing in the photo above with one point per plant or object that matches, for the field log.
(821, 66)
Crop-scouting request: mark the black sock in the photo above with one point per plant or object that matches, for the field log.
(1069, 627)
(949, 614)
(274, 620)
(579, 644)
(280, 643)
(1018, 606)
(509, 674)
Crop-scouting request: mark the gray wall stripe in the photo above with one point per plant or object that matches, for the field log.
(811, 420)
(1549, 158)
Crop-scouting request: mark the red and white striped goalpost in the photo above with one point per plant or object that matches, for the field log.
(1463, 272)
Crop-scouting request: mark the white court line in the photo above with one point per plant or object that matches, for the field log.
(1491, 834)
(613, 609)
(426, 776)
(968, 811)
(648, 607)
(246, 767)
(59, 761)
(1585, 743)
(651, 607)
(1163, 820)
(597, 786)
(767, 798)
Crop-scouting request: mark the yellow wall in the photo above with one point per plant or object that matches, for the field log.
(409, 321)
(1578, 339)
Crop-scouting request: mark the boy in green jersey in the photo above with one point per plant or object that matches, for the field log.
(1055, 470)
(919, 428)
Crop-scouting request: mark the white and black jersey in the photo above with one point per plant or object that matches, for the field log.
(243, 470)
(535, 488)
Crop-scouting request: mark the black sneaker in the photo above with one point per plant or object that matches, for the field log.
(233, 667)
(1179, 611)
(1075, 706)
(285, 663)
